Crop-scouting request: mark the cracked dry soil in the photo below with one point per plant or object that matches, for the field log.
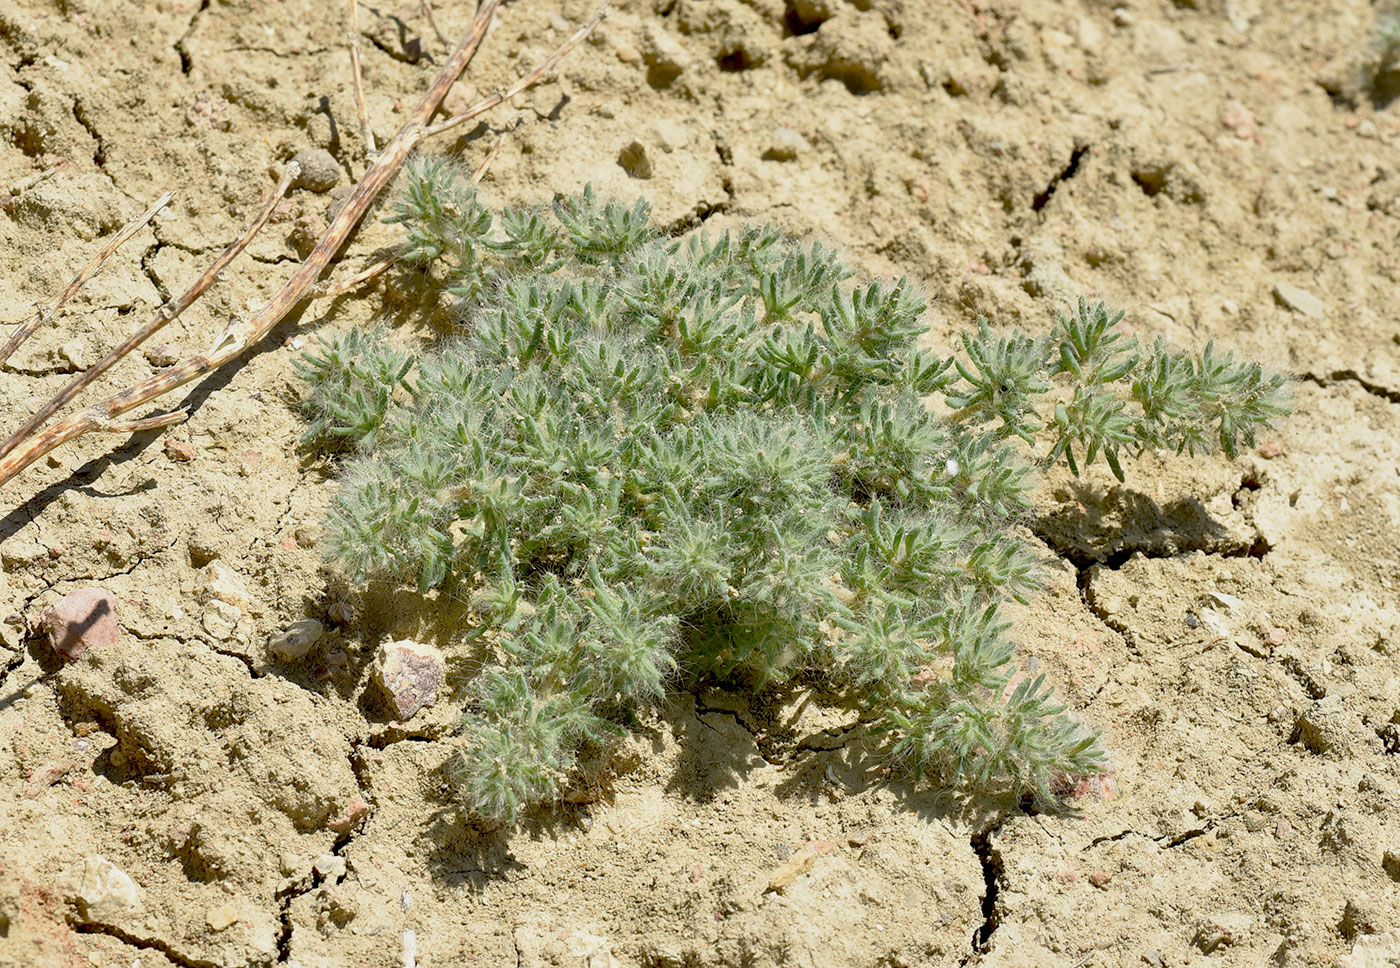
(1230, 628)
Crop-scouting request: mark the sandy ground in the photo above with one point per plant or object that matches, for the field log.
(1231, 628)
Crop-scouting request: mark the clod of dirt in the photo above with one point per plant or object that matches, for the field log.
(634, 160)
(306, 232)
(1299, 300)
(410, 674)
(1372, 951)
(178, 709)
(102, 891)
(297, 640)
(84, 619)
(162, 355)
(320, 172)
(786, 145)
(221, 620)
(1328, 728)
(855, 49)
(665, 58)
(1220, 930)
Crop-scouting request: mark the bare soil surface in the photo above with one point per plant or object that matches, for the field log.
(185, 798)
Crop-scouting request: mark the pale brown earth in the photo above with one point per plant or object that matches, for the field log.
(1181, 159)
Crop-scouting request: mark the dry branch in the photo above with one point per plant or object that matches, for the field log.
(240, 334)
(167, 312)
(365, 133)
(27, 328)
(328, 290)
(526, 82)
(29, 181)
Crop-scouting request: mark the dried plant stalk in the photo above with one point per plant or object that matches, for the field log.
(27, 328)
(166, 313)
(24, 184)
(365, 133)
(240, 334)
(328, 290)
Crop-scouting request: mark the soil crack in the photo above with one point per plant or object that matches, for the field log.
(147, 258)
(146, 944)
(993, 877)
(1351, 376)
(181, 47)
(99, 155)
(1070, 169)
(1167, 843)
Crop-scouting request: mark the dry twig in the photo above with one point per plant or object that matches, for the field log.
(526, 82)
(432, 22)
(325, 290)
(360, 109)
(163, 315)
(29, 181)
(27, 328)
(240, 334)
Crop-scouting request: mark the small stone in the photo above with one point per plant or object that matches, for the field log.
(785, 145)
(47, 776)
(1283, 830)
(1100, 879)
(162, 355)
(340, 612)
(1299, 300)
(1270, 449)
(1390, 863)
(1239, 119)
(1223, 929)
(294, 642)
(799, 863)
(221, 620)
(410, 674)
(306, 232)
(329, 867)
(353, 814)
(1276, 636)
(320, 172)
(628, 54)
(81, 620)
(102, 892)
(179, 450)
(289, 862)
(460, 97)
(217, 581)
(222, 917)
(1232, 605)
(633, 160)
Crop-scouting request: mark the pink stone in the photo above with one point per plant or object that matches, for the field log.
(410, 674)
(357, 811)
(84, 619)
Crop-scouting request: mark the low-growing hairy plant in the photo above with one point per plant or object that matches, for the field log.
(717, 457)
